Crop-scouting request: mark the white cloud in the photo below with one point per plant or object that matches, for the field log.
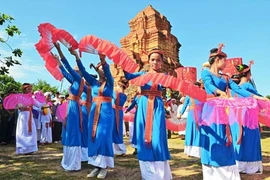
(26, 45)
(27, 70)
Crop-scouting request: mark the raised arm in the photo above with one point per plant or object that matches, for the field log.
(106, 69)
(68, 76)
(65, 62)
(91, 80)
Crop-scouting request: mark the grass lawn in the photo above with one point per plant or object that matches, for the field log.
(45, 164)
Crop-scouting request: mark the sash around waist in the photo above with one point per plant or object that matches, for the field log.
(151, 93)
(118, 107)
(99, 99)
(73, 97)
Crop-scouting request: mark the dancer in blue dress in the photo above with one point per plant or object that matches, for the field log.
(248, 152)
(72, 127)
(86, 99)
(192, 139)
(100, 125)
(217, 155)
(132, 125)
(152, 145)
(119, 99)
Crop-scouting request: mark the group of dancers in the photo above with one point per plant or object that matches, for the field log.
(92, 130)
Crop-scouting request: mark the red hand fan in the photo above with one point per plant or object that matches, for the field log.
(49, 59)
(187, 73)
(12, 100)
(46, 29)
(55, 72)
(175, 125)
(119, 57)
(46, 32)
(129, 117)
(65, 38)
(174, 83)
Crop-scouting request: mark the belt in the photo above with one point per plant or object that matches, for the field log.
(98, 100)
(150, 112)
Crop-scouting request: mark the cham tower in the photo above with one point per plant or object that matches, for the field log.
(148, 30)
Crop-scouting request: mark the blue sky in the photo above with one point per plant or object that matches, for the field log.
(243, 26)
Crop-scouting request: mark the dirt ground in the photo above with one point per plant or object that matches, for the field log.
(45, 164)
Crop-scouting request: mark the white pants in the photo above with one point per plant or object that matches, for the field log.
(46, 133)
(155, 170)
(220, 173)
(71, 158)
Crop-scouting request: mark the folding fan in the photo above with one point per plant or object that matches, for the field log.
(228, 111)
(175, 124)
(165, 80)
(92, 44)
(129, 117)
(55, 72)
(46, 31)
(40, 97)
(264, 113)
(49, 59)
(62, 110)
(12, 100)
(187, 73)
(65, 38)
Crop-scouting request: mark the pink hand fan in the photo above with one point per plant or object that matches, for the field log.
(63, 110)
(264, 112)
(12, 100)
(40, 97)
(129, 117)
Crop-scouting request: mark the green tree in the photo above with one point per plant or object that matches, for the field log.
(10, 30)
(8, 83)
(44, 86)
(268, 96)
(64, 92)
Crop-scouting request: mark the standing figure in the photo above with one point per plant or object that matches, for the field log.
(119, 99)
(248, 151)
(46, 121)
(152, 145)
(100, 124)
(217, 153)
(72, 127)
(86, 101)
(132, 108)
(57, 121)
(26, 137)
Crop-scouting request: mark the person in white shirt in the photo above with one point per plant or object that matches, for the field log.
(46, 121)
(182, 116)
